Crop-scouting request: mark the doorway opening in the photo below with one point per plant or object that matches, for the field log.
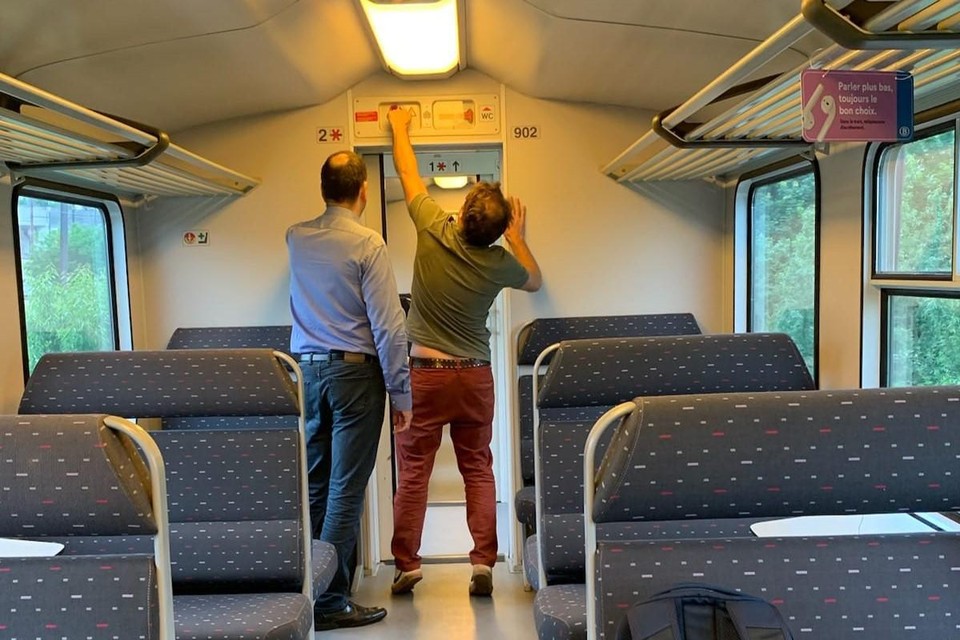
(445, 536)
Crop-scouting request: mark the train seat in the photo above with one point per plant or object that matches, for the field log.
(242, 555)
(537, 335)
(785, 454)
(67, 480)
(585, 378)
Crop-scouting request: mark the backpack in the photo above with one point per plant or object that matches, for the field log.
(691, 611)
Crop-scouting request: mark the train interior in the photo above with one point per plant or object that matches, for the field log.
(687, 193)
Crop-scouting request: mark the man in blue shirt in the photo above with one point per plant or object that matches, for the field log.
(348, 329)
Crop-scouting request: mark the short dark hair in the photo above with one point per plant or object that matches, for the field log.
(342, 176)
(486, 214)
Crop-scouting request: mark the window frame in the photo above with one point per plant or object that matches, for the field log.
(879, 150)
(885, 329)
(746, 189)
(879, 287)
(114, 228)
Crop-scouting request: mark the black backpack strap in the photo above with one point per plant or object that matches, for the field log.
(652, 620)
(757, 619)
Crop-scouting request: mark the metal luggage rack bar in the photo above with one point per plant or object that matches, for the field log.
(763, 126)
(45, 136)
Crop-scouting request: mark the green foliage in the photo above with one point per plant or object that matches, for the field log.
(920, 218)
(924, 337)
(67, 310)
(783, 260)
(925, 341)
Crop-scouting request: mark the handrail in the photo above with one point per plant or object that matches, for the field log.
(604, 422)
(834, 25)
(158, 504)
(764, 127)
(145, 157)
(75, 144)
(675, 139)
(537, 472)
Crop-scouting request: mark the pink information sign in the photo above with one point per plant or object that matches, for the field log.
(856, 105)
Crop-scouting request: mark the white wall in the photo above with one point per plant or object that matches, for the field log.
(841, 229)
(603, 248)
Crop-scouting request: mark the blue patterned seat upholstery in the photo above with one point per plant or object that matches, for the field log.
(539, 334)
(587, 377)
(71, 477)
(697, 458)
(238, 520)
(276, 337)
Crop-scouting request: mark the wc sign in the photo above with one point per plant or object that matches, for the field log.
(856, 105)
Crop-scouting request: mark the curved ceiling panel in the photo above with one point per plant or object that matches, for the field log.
(595, 61)
(42, 32)
(294, 59)
(703, 16)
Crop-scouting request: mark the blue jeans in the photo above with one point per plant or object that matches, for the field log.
(343, 406)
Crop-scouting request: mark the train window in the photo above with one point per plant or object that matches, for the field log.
(912, 303)
(915, 209)
(782, 224)
(68, 297)
(920, 347)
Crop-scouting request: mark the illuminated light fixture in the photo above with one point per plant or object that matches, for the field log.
(450, 182)
(421, 38)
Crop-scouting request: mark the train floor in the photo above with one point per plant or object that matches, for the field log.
(440, 608)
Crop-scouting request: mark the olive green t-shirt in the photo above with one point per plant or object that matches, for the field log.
(454, 284)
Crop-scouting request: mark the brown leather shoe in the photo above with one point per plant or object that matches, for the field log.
(352, 615)
(481, 584)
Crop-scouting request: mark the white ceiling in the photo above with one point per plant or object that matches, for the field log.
(178, 63)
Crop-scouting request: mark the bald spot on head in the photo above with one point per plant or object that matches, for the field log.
(341, 177)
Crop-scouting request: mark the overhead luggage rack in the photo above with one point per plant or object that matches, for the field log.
(764, 123)
(45, 136)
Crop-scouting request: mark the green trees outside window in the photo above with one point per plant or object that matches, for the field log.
(783, 260)
(65, 274)
(915, 240)
(916, 207)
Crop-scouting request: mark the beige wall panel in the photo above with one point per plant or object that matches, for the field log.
(11, 361)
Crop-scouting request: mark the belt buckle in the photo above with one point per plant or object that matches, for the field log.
(354, 358)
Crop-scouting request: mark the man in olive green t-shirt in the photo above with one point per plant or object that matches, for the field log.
(457, 273)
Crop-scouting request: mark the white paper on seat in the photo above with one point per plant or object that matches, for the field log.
(840, 526)
(17, 548)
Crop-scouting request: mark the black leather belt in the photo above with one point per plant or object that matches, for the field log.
(346, 356)
(447, 363)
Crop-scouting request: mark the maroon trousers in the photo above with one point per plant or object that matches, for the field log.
(464, 399)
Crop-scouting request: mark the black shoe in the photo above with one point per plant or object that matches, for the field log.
(352, 615)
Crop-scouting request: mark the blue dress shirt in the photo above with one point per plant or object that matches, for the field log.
(343, 296)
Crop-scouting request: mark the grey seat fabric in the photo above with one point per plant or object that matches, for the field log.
(718, 363)
(72, 477)
(792, 453)
(275, 337)
(560, 612)
(537, 335)
(275, 616)
(238, 526)
(588, 377)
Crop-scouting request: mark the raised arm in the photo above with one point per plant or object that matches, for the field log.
(515, 235)
(404, 160)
